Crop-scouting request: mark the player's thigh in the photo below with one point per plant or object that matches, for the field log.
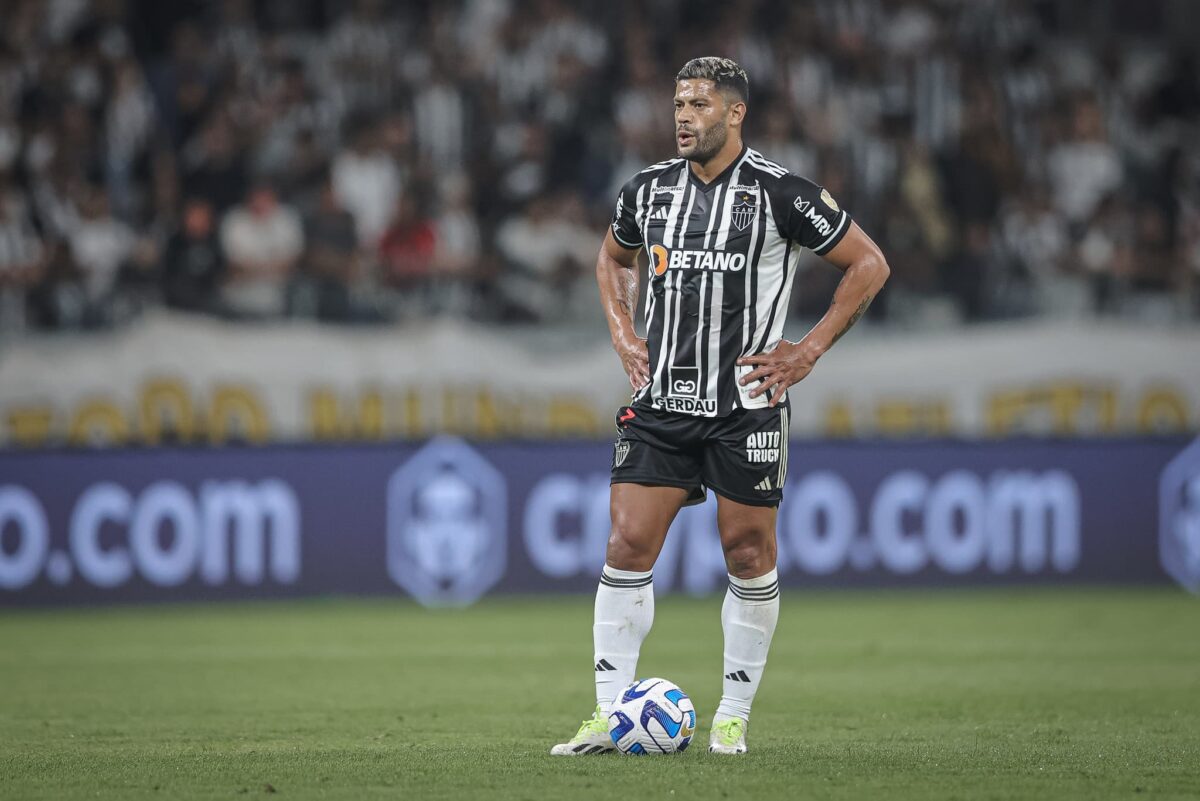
(641, 515)
(745, 456)
(747, 537)
(745, 464)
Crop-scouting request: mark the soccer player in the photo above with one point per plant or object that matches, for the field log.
(723, 227)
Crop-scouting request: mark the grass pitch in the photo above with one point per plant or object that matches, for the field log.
(1000, 694)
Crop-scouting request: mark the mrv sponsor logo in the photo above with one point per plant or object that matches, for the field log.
(811, 214)
(960, 522)
(1179, 518)
(447, 524)
(167, 534)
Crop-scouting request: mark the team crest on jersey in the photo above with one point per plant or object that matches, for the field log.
(743, 210)
(620, 453)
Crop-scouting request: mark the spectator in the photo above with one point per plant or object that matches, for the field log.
(1085, 168)
(457, 233)
(366, 182)
(262, 241)
(128, 125)
(193, 265)
(785, 147)
(105, 250)
(214, 169)
(331, 260)
(458, 250)
(21, 259)
(1035, 237)
(1106, 253)
(548, 247)
(951, 110)
(408, 246)
(972, 272)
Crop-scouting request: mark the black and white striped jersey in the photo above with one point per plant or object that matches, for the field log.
(722, 258)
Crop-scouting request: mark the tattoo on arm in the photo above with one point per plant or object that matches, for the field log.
(629, 290)
(858, 313)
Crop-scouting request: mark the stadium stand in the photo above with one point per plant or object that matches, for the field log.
(364, 161)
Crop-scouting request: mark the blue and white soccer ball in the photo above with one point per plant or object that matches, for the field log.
(652, 716)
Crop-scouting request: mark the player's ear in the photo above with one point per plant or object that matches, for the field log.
(736, 112)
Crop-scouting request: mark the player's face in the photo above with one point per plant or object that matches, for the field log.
(701, 127)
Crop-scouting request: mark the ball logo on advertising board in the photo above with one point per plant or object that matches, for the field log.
(446, 524)
(1179, 518)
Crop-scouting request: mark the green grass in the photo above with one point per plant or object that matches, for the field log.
(1001, 694)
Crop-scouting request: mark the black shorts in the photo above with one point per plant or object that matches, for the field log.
(742, 456)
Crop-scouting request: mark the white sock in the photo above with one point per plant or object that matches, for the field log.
(624, 613)
(748, 617)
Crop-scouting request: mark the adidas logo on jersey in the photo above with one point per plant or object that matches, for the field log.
(764, 485)
(660, 214)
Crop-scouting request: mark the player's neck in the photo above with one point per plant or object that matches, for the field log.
(709, 170)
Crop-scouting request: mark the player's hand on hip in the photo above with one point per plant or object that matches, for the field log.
(635, 358)
(778, 369)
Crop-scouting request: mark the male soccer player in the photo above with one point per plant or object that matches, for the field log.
(723, 227)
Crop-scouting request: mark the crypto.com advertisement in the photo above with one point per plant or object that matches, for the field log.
(448, 522)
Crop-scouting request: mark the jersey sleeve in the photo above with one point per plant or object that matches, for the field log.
(808, 214)
(625, 227)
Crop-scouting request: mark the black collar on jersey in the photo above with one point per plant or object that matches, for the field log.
(703, 187)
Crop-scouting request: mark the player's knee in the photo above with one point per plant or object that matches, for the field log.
(749, 553)
(629, 550)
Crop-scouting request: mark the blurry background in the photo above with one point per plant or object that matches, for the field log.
(296, 299)
(360, 161)
(342, 222)
(406, 172)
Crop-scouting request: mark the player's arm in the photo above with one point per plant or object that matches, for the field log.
(616, 272)
(864, 272)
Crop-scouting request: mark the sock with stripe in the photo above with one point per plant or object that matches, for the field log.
(748, 617)
(624, 613)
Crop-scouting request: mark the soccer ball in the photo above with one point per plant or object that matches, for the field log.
(652, 716)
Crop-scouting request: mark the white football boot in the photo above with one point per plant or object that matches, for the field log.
(728, 736)
(592, 738)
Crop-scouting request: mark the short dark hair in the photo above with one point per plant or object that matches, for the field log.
(724, 72)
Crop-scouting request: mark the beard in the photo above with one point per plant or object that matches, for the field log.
(706, 145)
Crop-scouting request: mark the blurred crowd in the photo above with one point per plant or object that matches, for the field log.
(366, 161)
